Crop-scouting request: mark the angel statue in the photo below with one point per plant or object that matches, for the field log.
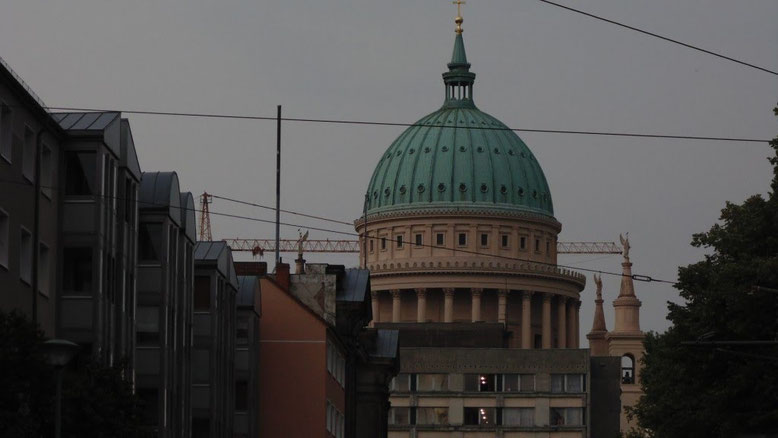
(303, 238)
(598, 282)
(625, 244)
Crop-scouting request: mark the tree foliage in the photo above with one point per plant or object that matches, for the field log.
(720, 391)
(97, 401)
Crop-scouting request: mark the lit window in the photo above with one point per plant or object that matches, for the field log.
(480, 382)
(6, 117)
(480, 416)
(25, 257)
(627, 369)
(28, 154)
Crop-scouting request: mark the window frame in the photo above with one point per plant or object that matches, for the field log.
(46, 171)
(460, 235)
(419, 240)
(484, 240)
(399, 241)
(440, 239)
(28, 154)
(6, 137)
(25, 275)
(44, 269)
(5, 238)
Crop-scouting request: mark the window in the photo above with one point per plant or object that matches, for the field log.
(480, 416)
(242, 330)
(484, 239)
(44, 270)
(201, 365)
(28, 154)
(518, 417)
(566, 416)
(439, 240)
(6, 118)
(25, 256)
(77, 271)
(399, 416)
(419, 239)
(47, 171)
(371, 245)
(150, 401)
(399, 241)
(523, 243)
(241, 395)
(572, 383)
(5, 225)
(537, 245)
(427, 416)
(80, 173)
(150, 243)
(518, 382)
(147, 327)
(462, 239)
(202, 293)
(548, 247)
(432, 382)
(480, 382)
(336, 363)
(504, 241)
(383, 243)
(627, 369)
(201, 427)
(401, 383)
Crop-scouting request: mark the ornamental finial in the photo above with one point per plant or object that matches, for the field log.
(458, 20)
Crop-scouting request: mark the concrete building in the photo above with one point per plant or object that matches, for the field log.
(213, 348)
(164, 301)
(322, 373)
(31, 144)
(247, 369)
(461, 246)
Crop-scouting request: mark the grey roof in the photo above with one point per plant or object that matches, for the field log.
(160, 191)
(248, 285)
(386, 343)
(356, 285)
(105, 124)
(221, 255)
(188, 215)
(21, 82)
(129, 157)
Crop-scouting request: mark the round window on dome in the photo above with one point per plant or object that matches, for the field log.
(399, 153)
(484, 188)
(535, 194)
(444, 149)
(420, 188)
(503, 190)
(521, 191)
(462, 149)
(463, 187)
(480, 149)
(402, 190)
(411, 151)
(387, 191)
(496, 151)
(426, 150)
(441, 187)
(375, 194)
(510, 151)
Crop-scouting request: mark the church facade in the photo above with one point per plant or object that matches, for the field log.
(460, 237)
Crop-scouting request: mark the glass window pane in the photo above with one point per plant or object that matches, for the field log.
(150, 244)
(557, 383)
(574, 383)
(432, 415)
(471, 382)
(399, 416)
(432, 382)
(574, 416)
(518, 417)
(510, 382)
(557, 417)
(527, 416)
(80, 173)
(202, 293)
(77, 271)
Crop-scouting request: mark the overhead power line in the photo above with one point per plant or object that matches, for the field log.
(655, 35)
(636, 277)
(430, 125)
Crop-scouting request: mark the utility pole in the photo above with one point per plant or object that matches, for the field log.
(278, 184)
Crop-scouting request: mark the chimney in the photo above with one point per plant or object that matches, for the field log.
(299, 266)
(282, 275)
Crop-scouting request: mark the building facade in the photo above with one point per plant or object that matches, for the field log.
(248, 313)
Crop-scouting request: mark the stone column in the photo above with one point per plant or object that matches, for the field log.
(561, 322)
(475, 305)
(376, 306)
(396, 305)
(571, 329)
(421, 304)
(576, 318)
(448, 305)
(546, 320)
(526, 320)
(502, 304)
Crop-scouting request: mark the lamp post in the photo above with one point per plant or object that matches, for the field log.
(58, 353)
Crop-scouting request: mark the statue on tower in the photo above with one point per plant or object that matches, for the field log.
(598, 282)
(625, 244)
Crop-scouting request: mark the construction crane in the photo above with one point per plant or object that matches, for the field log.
(259, 246)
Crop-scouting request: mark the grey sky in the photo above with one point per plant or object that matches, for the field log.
(537, 66)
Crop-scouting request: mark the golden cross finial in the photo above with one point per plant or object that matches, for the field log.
(459, 20)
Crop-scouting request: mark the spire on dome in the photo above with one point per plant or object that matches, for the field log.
(627, 305)
(598, 344)
(459, 80)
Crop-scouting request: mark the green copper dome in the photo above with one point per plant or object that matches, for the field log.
(459, 158)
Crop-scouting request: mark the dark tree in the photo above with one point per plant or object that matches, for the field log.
(730, 389)
(97, 401)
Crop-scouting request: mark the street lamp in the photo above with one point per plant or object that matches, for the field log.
(58, 353)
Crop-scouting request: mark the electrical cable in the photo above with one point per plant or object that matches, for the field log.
(636, 277)
(655, 35)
